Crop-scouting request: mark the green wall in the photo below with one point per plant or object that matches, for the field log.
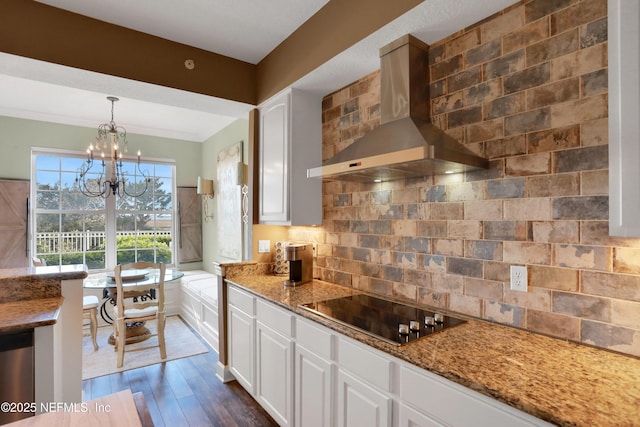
(18, 136)
(235, 132)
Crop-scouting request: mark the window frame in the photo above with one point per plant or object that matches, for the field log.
(110, 211)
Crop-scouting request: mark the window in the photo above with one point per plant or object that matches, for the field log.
(71, 228)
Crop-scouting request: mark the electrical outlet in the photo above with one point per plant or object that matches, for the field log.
(519, 278)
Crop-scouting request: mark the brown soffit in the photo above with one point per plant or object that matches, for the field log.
(35, 30)
(334, 28)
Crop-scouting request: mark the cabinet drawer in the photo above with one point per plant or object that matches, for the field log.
(242, 300)
(275, 318)
(317, 340)
(442, 399)
(365, 363)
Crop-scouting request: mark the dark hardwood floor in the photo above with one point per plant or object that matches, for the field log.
(185, 392)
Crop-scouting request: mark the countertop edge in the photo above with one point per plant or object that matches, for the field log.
(28, 314)
(65, 272)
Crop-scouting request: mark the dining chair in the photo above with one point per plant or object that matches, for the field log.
(130, 311)
(90, 305)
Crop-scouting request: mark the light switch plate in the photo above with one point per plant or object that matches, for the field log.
(264, 246)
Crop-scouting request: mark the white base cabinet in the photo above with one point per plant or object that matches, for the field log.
(306, 375)
(312, 389)
(437, 401)
(274, 362)
(364, 385)
(274, 367)
(408, 417)
(361, 405)
(313, 376)
(241, 338)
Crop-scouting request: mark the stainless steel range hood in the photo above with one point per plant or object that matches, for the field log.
(405, 144)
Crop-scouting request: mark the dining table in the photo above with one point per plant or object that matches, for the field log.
(136, 286)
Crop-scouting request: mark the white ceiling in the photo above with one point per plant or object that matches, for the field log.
(243, 29)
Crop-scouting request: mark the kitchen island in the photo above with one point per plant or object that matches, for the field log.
(560, 382)
(47, 300)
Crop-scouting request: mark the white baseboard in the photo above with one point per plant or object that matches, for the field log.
(223, 373)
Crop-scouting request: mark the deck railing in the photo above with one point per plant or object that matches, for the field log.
(80, 241)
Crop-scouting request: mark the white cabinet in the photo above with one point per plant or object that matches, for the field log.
(274, 362)
(409, 417)
(290, 143)
(260, 352)
(364, 385)
(241, 337)
(624, 118)
(435, 398)
(312, 389)
(313, 375)
(306, 375)
(361, 405)
(275, 369)
(274, 161)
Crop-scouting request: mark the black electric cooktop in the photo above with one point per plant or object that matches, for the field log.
(380, 318)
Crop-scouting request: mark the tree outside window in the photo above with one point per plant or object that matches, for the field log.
(71, 228)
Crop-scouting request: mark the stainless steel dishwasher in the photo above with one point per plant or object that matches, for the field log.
(16, 375)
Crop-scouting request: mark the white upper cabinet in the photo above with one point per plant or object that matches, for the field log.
(290, 143)
(624, 118)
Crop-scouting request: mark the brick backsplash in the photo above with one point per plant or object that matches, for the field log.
(527, 89)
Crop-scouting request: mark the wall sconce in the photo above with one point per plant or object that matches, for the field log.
(205, 189)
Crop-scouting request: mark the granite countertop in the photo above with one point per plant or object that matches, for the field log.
(31, 297)
(29, 314)
(564, 383)
(54, 272)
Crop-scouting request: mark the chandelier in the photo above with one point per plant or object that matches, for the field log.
(112, 141)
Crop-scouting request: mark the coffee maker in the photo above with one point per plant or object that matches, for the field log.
(300, 257)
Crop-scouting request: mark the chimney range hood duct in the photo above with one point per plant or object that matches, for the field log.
(405, 144)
